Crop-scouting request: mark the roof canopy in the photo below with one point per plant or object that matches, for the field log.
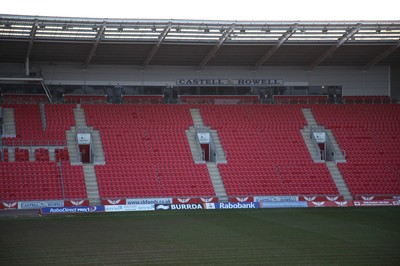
(199, 43)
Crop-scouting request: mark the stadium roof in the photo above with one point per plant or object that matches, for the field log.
(199, 43)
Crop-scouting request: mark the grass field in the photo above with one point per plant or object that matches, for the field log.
(334, 236)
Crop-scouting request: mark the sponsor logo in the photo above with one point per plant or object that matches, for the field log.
(235, 205)
(149, 201)
(39, 204)
(183, 200)
(242, 199)
(332, 198)
(55, 210)
(114, 202)
(367, 197)
(376, 203)
(210, 206)
(162, 207)
(129, 208)
(310, 198)
(206, 200)
(341, 203)
(196, 206)
(77, 203)
(276, 198)
(284, 204)
(11, 205)
(318, 204)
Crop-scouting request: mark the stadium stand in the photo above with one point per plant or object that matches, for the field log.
(84, 98)
(142, 99)
(24, 98)
(366, 99)
(219, 99)
(29, 124)
(265, 151)
(300, 99)
(370, 136)
(147, 153)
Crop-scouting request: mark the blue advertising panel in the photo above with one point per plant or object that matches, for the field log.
(77, 209)
(283, 204)
(233, 205)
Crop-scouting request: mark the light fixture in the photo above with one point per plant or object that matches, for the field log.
(207, 30)
(7, 25)
(153, 29)
(120, 29)
(378, 30)
(94, 28)
(267, 30)
(324, 30)
(242, 30)
(178, 29)
(42, 26)
(65, 27)
(221, 30)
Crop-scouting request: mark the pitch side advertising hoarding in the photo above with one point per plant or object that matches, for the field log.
(129, 208)
(283, 204)
(64, 210)
(40, 204)
(233, 205)
(179, 207)
(149, 201)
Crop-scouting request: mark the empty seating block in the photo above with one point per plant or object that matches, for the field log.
(84, 98)
(21, 155)
(219, 99)
(369, 135)
(30, 181)
(61, 154)
(24, 98)
(42, 155)
(29, 127)
(147, 153)
(143, 99)
(300, 99)
(265, 151)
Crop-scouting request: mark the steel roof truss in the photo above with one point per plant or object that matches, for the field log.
(92, 52)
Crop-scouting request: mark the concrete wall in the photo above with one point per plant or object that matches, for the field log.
(374, 81)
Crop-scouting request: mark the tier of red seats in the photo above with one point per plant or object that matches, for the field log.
(25, 181)
(219, 99)
(366, 99)
(147, 153)
(300, 99)
(42, 155)
(142, 99)
(29, 128)
(21, 155)
(265, 151)
(24, 98)
(84, 98)
(61, 154)
(369, 135)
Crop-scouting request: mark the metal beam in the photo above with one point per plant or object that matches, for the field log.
(95, 45)
(275, 48)
(32, 39)
(381, 56)
(156, 46)
(334, 47)
(215, 49)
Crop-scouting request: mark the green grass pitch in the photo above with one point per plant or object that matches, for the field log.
(331, 236)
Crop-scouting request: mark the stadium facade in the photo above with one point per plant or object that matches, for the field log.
(117, 57)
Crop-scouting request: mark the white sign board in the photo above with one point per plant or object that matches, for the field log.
(319, 137)
(204, 138)
(83, 138)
